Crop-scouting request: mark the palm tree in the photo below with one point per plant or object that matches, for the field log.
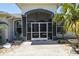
(70, 17)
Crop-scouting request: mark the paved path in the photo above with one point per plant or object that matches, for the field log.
(38, 50)
(26, 49)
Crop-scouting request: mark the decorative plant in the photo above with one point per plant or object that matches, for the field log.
(3, 26)
(70, 17)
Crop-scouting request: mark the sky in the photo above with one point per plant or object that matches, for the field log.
(59, 10)
(10, 8)
(13, 8)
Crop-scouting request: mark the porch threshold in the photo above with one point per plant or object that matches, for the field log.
(43, 42)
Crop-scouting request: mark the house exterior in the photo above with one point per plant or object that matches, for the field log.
(6, 18)
(7, 34)
(35, 22)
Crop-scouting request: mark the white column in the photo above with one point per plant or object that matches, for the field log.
(39, 29)
(31, 30)
(26, 27)
(52, 30)
(47, 29)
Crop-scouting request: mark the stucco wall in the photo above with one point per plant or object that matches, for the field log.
(28, 7)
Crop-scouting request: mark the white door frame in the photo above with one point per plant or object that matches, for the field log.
(39, 38)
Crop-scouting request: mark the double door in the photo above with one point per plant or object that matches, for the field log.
(39, 31)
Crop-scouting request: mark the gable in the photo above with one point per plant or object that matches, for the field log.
(47, 6)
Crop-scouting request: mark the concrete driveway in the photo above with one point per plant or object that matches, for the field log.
(26, 49)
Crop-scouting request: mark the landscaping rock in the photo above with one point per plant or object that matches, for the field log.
(7, 45)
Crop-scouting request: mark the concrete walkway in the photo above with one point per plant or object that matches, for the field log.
(26, 49)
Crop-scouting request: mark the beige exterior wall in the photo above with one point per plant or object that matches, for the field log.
(27, 7)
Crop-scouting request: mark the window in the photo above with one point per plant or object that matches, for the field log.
(18, 24)
(17, 27)
(59, 27)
